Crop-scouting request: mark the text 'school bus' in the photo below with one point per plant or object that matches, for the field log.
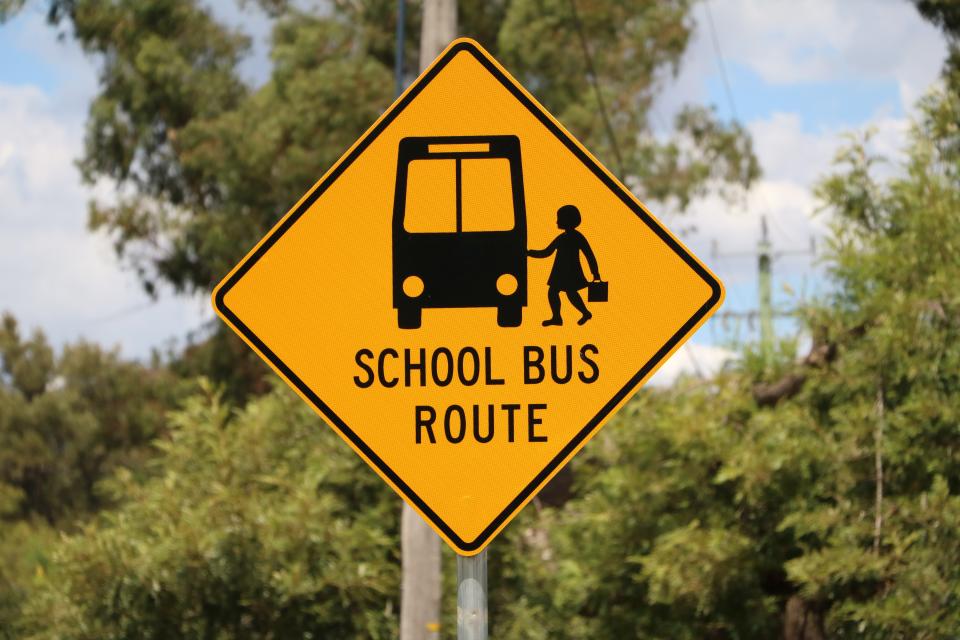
(459, 227)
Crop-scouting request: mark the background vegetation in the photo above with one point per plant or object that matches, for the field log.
(192, 498)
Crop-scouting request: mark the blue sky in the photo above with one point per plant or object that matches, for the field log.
(828, 104)
(17, 67)
(801, 73)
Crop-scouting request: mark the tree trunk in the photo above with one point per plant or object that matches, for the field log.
(420, 546)
(802, 621)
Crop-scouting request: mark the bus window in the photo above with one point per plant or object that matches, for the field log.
(486, 194)
(431, 205)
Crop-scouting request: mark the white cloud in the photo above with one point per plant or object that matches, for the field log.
(692, 359)
(807, 41)
(55, 274)
(786, 152)
(250, 19)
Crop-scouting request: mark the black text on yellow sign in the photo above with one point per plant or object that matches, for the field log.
(468, 367)
(467, 296)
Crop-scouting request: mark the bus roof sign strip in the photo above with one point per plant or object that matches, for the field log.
(459, 198)
(478, 147)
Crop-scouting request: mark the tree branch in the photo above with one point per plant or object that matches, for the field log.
(768, 394)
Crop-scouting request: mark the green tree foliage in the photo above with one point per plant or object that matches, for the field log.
(891, 398)
(24, 556)
(822, 503)
(712, 510)
(259, 523)
(700, 512)
(661, 540)
(813, 499)
(67, 422)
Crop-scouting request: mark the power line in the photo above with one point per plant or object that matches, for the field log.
(401, 43)
(694, 361)
(122, 313)
(719, 56)
(660, 119)
(596, 88)
(777, 227)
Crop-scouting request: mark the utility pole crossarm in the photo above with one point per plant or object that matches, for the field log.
(765, 312)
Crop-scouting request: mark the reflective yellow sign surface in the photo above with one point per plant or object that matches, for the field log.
(467, 296)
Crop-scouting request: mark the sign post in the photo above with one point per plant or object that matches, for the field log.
(472, 596)
(467, 288)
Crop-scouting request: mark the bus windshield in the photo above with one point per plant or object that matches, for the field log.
(484, 201)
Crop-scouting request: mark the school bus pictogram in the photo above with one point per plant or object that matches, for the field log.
(459, 227)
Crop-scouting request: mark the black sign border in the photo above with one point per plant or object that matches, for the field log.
(473, 49)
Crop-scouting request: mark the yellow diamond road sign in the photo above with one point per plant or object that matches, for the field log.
(467, 296)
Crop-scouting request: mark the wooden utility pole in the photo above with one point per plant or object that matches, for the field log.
(439, 28)
(765, 286)
(420, 546)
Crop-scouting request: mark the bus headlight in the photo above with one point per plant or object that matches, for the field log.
(413, 286)
(506, 284)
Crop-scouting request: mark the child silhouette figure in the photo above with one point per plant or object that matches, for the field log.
(567, 272)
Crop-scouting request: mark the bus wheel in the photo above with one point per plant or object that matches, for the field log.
(509, 315)
(408, 317)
